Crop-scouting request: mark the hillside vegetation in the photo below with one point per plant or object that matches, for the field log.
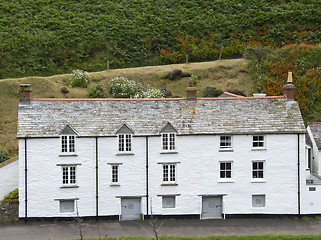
(45, 37)
(223, 74)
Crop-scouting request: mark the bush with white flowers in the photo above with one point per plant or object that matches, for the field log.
(121, 87)
(79, 78)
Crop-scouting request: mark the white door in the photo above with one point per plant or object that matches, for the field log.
(130, 208)
(212, 207)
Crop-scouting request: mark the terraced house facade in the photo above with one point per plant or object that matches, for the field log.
(190, 157)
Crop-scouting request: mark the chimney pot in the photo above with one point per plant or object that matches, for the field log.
(191, 93)
(25, 92)
(288, 89)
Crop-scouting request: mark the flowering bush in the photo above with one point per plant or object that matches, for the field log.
(79, 78)
(121, 87)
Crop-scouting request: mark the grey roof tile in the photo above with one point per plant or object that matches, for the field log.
(46, 118)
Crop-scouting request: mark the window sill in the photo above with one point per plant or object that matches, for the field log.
(225, 181)
(258, 180)
(169, 184)
(68, 155)
(169, 152)
(124, 154)
(225, 150)
(258, 149)
(70, 186)
(115, 185)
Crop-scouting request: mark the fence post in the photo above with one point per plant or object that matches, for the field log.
(107, 65)
(186, 58)
(221, 53)
(244, 51)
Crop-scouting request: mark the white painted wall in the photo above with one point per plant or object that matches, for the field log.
(197, 174)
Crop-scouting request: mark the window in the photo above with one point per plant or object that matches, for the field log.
(67, 206)
(225, 169)
(168, 201)
(258, 201)
(169, 173)
(168, 140)
(258, 141)
(225, 142)
(69, 175)
(67, 144)
(114, 174)
(258, 169)
(125, 143)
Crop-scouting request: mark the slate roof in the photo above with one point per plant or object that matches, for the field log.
(103, 117)
(316, 132)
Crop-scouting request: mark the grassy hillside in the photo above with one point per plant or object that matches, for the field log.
(43, 37)
(223, 74)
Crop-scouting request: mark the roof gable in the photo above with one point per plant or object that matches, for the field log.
(316, 133)
(168, 128)
(124, 129)
(68, 130)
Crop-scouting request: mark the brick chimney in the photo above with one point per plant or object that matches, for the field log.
(25, 92)
(288, 89)
(191, 92)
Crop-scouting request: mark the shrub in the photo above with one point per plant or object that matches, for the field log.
(149, 93)
(13, 195)
(79, 78)
(194, 79)
(63, 89)
(96, 91)
(121, 87)
(3, 155)
(212, 92)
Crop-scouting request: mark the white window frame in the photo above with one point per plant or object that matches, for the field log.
(69, 175)
(256, 197)
(68, 144)
(169, 142)
(169, 173)
(225, 142)
(256, 170)
(225, 171)
(259, 141)
(164, 198)
(114, 174)
(125, 143)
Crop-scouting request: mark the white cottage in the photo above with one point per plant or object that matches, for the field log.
(188, 157)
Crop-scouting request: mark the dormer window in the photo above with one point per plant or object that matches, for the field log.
(124, 142)
(68, 140)
(168, 134)
(168, 140)
(125, 135)
(67, 144)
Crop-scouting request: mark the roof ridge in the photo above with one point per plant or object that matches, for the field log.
(150, 99)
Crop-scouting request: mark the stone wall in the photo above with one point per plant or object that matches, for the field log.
(8, 212)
